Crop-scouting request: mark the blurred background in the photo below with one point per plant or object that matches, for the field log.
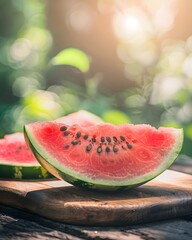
(124, 60)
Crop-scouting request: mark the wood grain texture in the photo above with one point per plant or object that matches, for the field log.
(16, 224)
(167, 196)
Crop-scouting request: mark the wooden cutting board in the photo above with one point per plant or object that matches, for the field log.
(167, 196)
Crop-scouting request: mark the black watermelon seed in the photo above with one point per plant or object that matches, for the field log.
(108, 139)
(20, 147)
(67, 146)
(63, 128)
(75, 142)
(86, 136)
(129, 145)
(93, 139)
(66, 133)
(122, 138)
(102, 139)
(99, 149)
(115, 149)
(78, 134)
(114, 139)
(88, 148)
(107, 149)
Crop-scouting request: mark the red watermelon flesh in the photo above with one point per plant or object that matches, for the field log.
(104, 156)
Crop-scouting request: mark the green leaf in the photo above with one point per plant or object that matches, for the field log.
(115, 117)
(72, 57)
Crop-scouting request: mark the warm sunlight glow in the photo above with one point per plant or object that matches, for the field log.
(131, 24)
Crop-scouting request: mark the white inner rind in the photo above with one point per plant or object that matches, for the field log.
(166, 162)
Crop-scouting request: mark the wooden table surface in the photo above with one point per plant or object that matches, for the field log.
(16, 224)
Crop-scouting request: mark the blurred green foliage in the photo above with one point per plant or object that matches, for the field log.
(72, 57)
(162, 94)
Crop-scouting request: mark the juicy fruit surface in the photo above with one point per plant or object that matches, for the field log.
(14, 151)
(82, 118)
(106, 154)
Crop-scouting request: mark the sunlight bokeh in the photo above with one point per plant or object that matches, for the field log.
(128, 59)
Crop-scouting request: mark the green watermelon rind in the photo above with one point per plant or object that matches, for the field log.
(62, 172)
(19, 172)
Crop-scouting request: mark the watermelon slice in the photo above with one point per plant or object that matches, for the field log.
(104, 156)
(16, 159)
